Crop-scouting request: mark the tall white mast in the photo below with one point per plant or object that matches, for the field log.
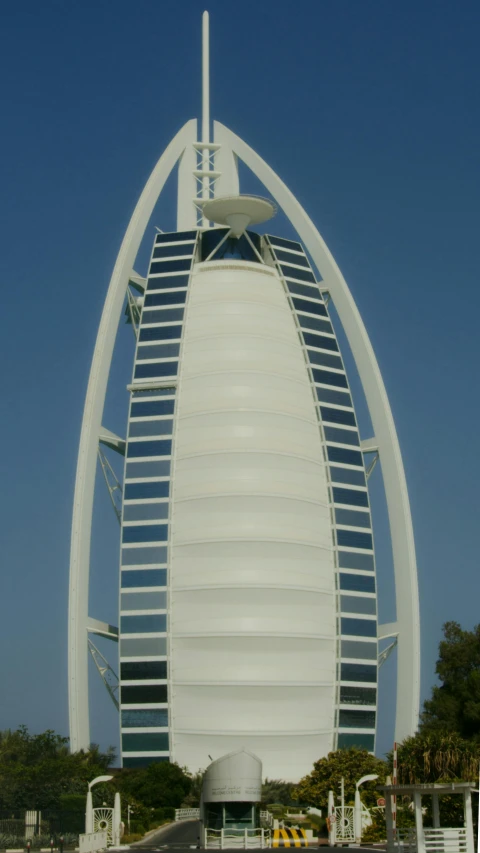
(205, 109)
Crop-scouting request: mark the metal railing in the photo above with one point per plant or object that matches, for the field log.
(446, 840)
(246, 839)
(187, 814)
(266, 817)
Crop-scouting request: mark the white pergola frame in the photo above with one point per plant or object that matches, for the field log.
(228, 147)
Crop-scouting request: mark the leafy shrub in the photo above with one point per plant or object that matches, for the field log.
(137, 828)
(377, 831)
(130, 839)
(169, 812)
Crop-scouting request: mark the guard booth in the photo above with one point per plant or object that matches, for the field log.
(229, 815)
(436, 839)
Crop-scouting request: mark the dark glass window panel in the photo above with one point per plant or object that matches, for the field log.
(140, 491)
(359, 627)
(326, 377)
(350, 496)
(315, 323)
(149, 448)
(301, 260)
(326, 359)
(154, 718)
(152, 407)
(362, 562)
(160, 333)
(158, 368)
(143, 577)
(143, 694)
(148, 742)
(322, 342)
(311, 307)
(338, 416)
(169, 297)
(140, 470)
(149, 600)
(347, 475)
(356, 719)
(172, 251)
(358, 695)
(293, 272)
(338, 398)
(285, 244)
(144, 428)
(145, 512)
(357, 583)
(167, 281)
(143, 762)
(145, 533)
(358, 672)
(153, 556)
(232, 247)
(158, 351)
(346, 741)
(169, 315)
(342, 454)
(341, 436)
(148, 624)
(357, 604)
(353, 539)
(175, 236)
(170, 266)
(144, 647)
(357, 650)
(312, 291)
(352, 519)
(143, 670)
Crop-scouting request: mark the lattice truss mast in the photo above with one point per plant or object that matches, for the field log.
(208, 168)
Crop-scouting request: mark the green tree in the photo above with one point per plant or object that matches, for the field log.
(455, 703)
(352, 764)
(161, 784)
(437, 756)
(278, 791)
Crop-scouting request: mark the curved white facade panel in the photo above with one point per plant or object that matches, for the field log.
(252, 570)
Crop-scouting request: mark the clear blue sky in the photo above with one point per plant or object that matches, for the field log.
(369, 112)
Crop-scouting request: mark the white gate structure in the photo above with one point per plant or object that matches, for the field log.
(344, 824)
(246, 839)
(103, 822)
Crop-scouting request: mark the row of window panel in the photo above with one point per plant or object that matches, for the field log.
(166, 297)
(356, 719)
(166, 282)
(162, 251)
(329, 395)
(352, 518)
(143, 428)
(166, 315)
(152, 718)
(285, 244)
(154, 555)
(160, 333)
(144, 761)
(150, 601)
(143, 694)
(149, 623)
(358, 650)
(338, 416)
(363, 672)
(282, 255)
(143, 670)
(309, 290)
(145, 512)
(325, 359)
(149, 408)
(354, 604)
(310, 307)
(175, 237)
(143, 646)
(346, 741)
(148, 742)
(354, 539)
(358, 696)
(145, 353)
(149, 448)
(355, 560)
(315, 323)
(341, 436)
(358, 627)
(356, 583)
(351, 476)
(303, 274)
(158, 369)
(327, 377)
(170, 266)
(145, 533)
(140, 491)
(356, 497)
(149, 468)
(143, 577)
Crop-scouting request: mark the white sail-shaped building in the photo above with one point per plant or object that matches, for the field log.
(248, 611)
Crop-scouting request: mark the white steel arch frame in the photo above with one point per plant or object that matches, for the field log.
(90, 434)
(407, 627)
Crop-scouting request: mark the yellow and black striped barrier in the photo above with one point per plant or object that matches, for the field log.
(289, 837)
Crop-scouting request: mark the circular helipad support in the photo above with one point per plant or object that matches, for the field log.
(238, 212)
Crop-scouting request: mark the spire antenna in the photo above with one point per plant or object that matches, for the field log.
(205, 110)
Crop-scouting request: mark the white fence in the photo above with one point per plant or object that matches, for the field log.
(187, 814)
(266, 817)
(92, 841)
(445, 840)
(246, 839)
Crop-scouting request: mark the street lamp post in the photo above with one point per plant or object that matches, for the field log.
(358, 805)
